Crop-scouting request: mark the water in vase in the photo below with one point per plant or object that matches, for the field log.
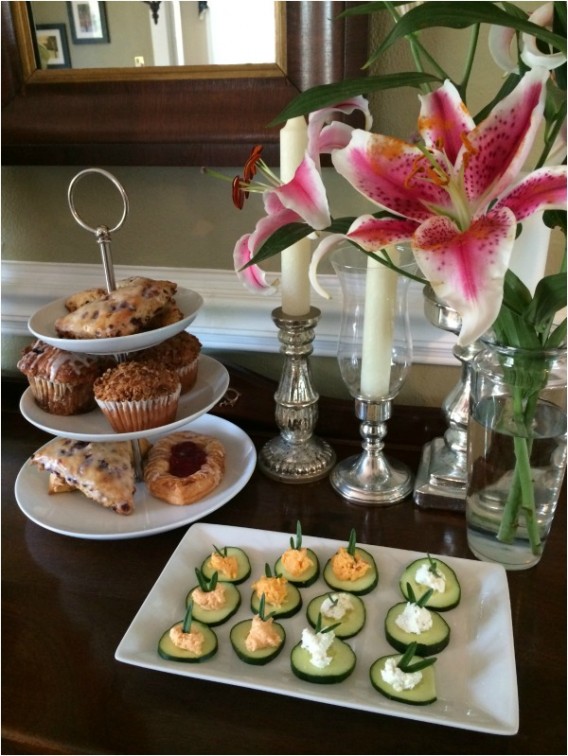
(492, 480)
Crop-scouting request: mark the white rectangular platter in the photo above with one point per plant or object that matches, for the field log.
(475, 675)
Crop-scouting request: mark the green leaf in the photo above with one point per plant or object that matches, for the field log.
(324, 95)
(549, 297)
(516, 296)
(461, 15)
(557, 337)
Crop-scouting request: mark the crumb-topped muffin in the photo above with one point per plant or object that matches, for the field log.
(135, 396)
(179, 353)
(61, 382)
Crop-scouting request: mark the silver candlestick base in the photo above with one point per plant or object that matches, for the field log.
(371, 478)
(296, 456)
(441, 480)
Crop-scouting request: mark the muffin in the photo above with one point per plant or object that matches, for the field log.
(135, 396)
(180, 353)
(61, 382)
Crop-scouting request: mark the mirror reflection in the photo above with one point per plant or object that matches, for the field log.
(120, 34)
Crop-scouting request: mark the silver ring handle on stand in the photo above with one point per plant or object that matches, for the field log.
(102, 232)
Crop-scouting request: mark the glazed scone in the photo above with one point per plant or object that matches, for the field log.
(81, 298)
(125, 311)
(184, 467)
(135, 396)
(61, 382)
(101, 470)
(179, 353)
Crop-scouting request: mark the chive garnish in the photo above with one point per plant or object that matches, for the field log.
(404, 661)
(187, 620)
(352, 542)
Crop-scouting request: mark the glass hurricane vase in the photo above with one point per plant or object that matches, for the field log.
(374, 356)
(516, 452)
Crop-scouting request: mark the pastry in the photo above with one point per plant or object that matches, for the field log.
(135, 396)
(61, 382)
(81, 298)
(101, 470)
(179, 353)
(183, 467)
(125, 311)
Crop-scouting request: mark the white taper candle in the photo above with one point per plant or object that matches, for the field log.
(378, 328)
(295, 285)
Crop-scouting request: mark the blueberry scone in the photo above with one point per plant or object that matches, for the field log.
(101, 470)
(125, 311)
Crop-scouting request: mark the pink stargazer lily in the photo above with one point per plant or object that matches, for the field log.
(303, 199)
(454, 196)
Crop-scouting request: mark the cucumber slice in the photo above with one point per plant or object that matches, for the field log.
(168, 650)
(306, 578)
(441, 602)
(422, 694)
(243, 569)
(289, 608)
(238, 636)
(359, 587)
(429, 642)
(213, 617)
(341, 666)
(351, 623)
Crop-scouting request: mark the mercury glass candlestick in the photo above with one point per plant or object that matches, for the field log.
(296, 456)
(371, 477)
(441, 480)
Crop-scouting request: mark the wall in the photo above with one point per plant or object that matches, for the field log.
(182, 218)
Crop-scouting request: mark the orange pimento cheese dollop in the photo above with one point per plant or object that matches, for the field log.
(215, 599)
(274, 588)
(296, 561)
(262, 634)
(228, 565)
(192, 641)
(347, 567)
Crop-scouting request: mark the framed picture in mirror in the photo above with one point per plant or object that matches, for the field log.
(88, 22)
(52, 46)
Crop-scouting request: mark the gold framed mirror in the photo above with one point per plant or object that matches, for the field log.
(167, 115)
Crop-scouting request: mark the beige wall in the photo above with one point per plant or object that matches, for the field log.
(182, 218)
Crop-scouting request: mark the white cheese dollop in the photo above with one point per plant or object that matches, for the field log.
(317, 644)
(425, 576)
(399, 680)
(336, 606)
(414, 619)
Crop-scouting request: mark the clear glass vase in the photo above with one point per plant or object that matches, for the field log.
(516, 453)
(374, 354)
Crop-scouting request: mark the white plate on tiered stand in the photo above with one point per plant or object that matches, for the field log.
(212, 382)
(72, 514)
(41, 324)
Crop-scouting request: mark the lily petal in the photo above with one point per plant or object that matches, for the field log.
(498, 147)
(375, 233)
(530, 53)
(306, 195)
(443, 119)
(543, 189)
(324, 247)
(499, 40)
(319, 118)
(253, 277)
(385, 170)
(467, 270)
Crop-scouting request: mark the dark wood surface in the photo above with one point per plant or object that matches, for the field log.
(67, 602)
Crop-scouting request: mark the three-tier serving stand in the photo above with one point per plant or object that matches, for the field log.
(212, 383)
